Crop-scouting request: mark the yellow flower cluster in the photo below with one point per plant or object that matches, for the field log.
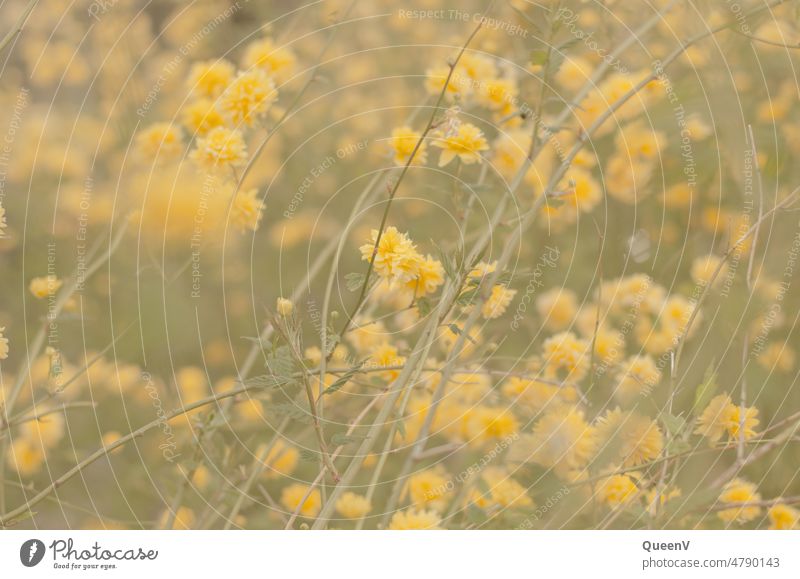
(397, 260)
(722, 417)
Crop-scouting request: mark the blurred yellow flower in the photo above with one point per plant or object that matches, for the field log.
(160, 142)
(220, 147)
(292, 499)
(739, 491)
(41, 287)
(466, 143)
(353, 506)
(247, 210)
(209, 78)
(415, 520)
(783, 517)
(247, 98)
(402, 143)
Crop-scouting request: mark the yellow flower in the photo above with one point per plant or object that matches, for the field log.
(284, 306)
(609, 345)
(47, 430)
(209, 78)
(503, 491)
(778, 356)
(783, 517)
(510, 150)
(201, 116)
(478, 67)
(626, 178)
(221, 147)
(385, 355)
(482, 269)
(277, 61)
(498, 302)
(616, 490)
(574, 72)
(466, 144)
(703, 268)
(637, 140)
(486, 423)
(430, 275)
(749, 422)
(110, 438)
(160, 142)
(536, 394)
(653, 496)
(25, 456)
(566, 357)
(247, 210)
(292, 496)
(448, 336)
(739, 491)
(636, 377)
(677, 311)
(281, 460)
(714, 421)
(428, 488)
(249, 410)
(44, 286)
(192, 383)
(365, 335)
(415, 520)
(557, 307)
(183, 520)
(353, 506)
(396, 259)
(563, 440)
(497, 93)
(580, 190)
(201, 477)
(247, 97)
(3, 345)
(723, 416)
(402, 143)
(629, 437)
(459, 85)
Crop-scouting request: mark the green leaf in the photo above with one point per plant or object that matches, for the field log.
(332, 340)
(423, 306)
(538, 57)
(354, 281)
(280, 363)
(678, 446)
(340, 439)
(706, 389)
(344, 378)
(401, 428)
(293, 411)
(449, 263)
(309, 455)
(673, 424)
(336, 386)
(466, 298)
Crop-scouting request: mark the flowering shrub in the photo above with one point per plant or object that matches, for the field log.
(367, 266)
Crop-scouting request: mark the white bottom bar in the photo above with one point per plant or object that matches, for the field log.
(406, 555)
